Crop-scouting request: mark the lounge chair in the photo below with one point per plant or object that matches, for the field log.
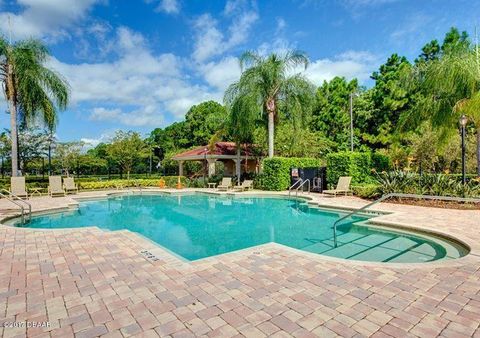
(55, 186)
(225, 185)
(69, 185)
(17, 187)
(343, 187)
(246, 185)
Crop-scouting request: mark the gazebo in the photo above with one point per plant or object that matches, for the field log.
(225, 152)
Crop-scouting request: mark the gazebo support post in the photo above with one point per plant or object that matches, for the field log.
(180, 168)
(211, 166)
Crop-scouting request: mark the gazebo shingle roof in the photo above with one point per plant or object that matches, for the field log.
(220, 149)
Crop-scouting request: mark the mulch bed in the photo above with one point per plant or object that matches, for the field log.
(436, 204)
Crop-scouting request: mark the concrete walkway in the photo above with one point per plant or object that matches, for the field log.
(87, 283)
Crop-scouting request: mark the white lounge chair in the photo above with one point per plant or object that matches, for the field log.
(225, 185)
(69, 185)
(246, 185)
(55, 186)
(17, 187)
(343, 187)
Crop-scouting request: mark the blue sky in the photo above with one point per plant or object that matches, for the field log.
(140, 64)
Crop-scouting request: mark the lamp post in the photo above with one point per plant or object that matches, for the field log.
(351, 119)
(150, 162)
(463, 122)
(205, 171)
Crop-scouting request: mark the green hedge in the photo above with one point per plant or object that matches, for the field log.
(276, 171)
(347, 163)
(170, 182)
(358, 165)
(367, 190)
(381, 162)
(92, 184)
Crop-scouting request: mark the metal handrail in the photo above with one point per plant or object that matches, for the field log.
(17, 204)
(387, 196)
(301, 185)
(293, 186)
(16, 198)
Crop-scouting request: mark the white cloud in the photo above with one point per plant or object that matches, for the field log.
(351, 64)
(103, 114)
(93, 142)
(360, 3)
(145, 115)
(169, 6)
(138, 88)
(410, 29)
(281, 24)
(166, 6)
(94, 42)
(278, 45)
(221, 74)
(211, 41)
(49, 19)
(209, 38)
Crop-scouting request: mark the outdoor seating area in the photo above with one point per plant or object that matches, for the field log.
(318, 308)
(237, 168)
(57, 186)
(18, 188)
(343, 187)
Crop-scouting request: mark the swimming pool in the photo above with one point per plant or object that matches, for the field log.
(197, 226)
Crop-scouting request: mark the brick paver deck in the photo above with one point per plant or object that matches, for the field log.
(87, 283)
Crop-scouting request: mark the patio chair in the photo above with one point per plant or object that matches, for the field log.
(69, 185)
(343, 187)
(225, 185)
(55, 186)
(246, 185)
(17, 187)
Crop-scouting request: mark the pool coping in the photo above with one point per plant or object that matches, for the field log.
(173, 258)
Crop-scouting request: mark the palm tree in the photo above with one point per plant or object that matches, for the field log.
(449, 87)
(33, 92)
(265, 88)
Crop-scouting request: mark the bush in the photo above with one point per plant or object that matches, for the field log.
(381, 162)
(347, 163)
(429, 184)
(276, 171)
(170, 182)
(368, 191)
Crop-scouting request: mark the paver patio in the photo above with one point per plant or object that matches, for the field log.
(87, 283)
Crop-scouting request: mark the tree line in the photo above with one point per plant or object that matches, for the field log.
(410, 113)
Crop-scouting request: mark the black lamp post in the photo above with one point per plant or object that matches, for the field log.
(352, 95)
(463, 122)
(205, 171)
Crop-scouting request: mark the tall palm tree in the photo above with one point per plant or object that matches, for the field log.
(266, 87)
(33, 92)
(449, 87)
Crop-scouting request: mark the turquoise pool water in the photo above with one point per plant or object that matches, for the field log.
(199, 226)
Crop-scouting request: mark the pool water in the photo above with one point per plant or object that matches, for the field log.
(198, 226)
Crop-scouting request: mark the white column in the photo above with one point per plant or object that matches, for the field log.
(211, 166)
(180, 168)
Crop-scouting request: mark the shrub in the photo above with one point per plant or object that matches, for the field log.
(276, 171)
(355, 164)
(381, 162)
(170, 182)
(429, 184)
(368, 191)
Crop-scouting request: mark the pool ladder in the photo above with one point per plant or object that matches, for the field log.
(387, 196)
(297, 188)
(18, 202)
